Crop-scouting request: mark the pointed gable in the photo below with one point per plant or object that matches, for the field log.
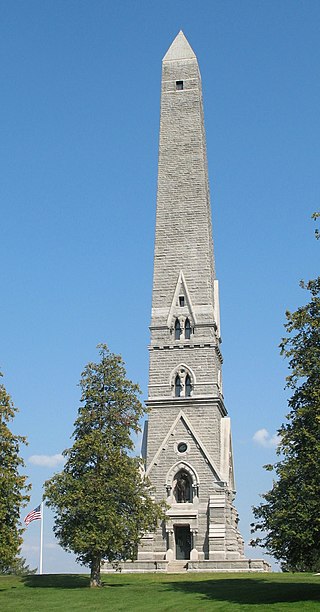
(177, 308)
(179, 49)
(183, 419)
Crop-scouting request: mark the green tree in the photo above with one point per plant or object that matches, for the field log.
(13, 487)
(289, 517)
(101, 502)
(19, 567)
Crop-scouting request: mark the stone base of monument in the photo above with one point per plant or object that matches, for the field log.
(232, 565)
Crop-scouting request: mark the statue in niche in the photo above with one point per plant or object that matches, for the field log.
(183, 489)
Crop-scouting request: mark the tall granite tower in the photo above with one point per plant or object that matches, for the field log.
(187, 445)
(187, 440)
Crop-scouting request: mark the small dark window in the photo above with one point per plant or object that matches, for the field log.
(181, 300)
(187, 329)
(177, 330)
(182, 447)
(177, 386)
(179, 85)
(188, 386)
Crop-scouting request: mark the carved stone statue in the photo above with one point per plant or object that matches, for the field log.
(183, 488)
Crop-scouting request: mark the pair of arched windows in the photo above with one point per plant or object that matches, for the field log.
(178, 388)
(178, 330)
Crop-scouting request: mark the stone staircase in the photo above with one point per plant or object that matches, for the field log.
(177, 567)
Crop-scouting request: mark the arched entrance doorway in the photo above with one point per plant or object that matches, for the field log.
(183, 541)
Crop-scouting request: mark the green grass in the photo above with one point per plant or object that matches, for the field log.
(161, 592)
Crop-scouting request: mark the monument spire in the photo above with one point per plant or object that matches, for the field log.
(183, 224)
(187, 445)
(187, 442)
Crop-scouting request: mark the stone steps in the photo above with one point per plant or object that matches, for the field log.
(177, 567)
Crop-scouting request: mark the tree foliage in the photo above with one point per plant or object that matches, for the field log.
(13, 488)
(19, 567)
(289, 517)
(316, 216)
(102, 504)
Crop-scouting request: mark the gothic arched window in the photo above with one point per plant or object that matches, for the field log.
(188, 386)
(177, 330)
(187, 329)
(177, 386)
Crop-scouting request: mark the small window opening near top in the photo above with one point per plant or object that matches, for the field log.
(179, 85)
(181, 300)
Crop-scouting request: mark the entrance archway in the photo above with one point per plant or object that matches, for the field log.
(183, 541)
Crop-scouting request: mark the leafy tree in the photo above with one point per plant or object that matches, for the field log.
(289, 517)
(13, 487)
(19, 567)
(102, 504)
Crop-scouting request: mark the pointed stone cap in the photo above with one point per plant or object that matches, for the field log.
(180, 49)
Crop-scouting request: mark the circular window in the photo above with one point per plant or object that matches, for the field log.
(182, 447)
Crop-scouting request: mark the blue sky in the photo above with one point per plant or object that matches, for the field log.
(80, 96)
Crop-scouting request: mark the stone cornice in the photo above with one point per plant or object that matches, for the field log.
(182, 344)
(187, 402)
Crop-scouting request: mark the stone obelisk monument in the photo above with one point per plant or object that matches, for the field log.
(187, 445)
(187, 441)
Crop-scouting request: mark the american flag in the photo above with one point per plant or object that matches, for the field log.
(34, 515)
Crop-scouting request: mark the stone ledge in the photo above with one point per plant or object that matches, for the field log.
(228, 566)
(135, 567)
(183, 402)
(232, 565)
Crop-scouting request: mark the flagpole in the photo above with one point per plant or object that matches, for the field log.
(41, 539)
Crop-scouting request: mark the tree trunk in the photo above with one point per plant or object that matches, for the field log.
(95, 572)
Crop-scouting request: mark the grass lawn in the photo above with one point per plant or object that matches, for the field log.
(163, 592)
